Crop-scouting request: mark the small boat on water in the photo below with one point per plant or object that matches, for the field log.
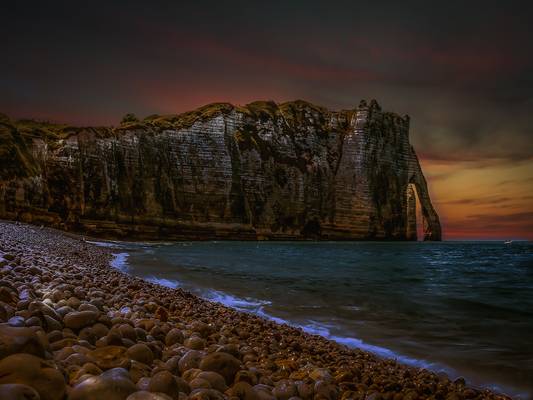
(508, 242)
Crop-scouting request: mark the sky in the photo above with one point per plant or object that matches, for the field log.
(463, 71)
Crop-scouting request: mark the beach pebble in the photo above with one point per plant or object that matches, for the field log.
(33, 371)
(326, 390)
(78, 319)
(199, 383)
(114, 384)
(222, 363)
(215, 380)
(195, 343)
(190, 360)
(264, 392)
(141, 353)
(21, 340)
(174, 336)
(8, 295)
(139, 370)
(320, 374)
(284, 389)
(15, 391)
(306, 389)
(109, 357)
(206, 394)
(16, 321)
(164, 382)
(246, 376)
(144, 395)
(244, 391)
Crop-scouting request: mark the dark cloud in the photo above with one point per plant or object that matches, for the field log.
(463, 71)
(481, 201)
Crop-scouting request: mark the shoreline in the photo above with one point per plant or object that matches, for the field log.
(266, 360)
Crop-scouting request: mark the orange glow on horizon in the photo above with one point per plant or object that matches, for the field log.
(482, 201)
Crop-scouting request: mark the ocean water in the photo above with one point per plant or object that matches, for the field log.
(464, 308)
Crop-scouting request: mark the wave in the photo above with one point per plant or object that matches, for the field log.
(241, 304)
(170, 283)
(120, 261)
(256, 306)
(259, 307)
(104, 244)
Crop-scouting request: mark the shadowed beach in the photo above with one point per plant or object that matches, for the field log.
(73, 327)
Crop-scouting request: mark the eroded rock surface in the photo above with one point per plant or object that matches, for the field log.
(262, 171)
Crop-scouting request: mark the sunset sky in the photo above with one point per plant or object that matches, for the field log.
(463, 71)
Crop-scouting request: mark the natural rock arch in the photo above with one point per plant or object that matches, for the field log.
(416, 182)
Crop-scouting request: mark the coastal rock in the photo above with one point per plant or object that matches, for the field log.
(262, 171)
(33, 371)
(114, 384)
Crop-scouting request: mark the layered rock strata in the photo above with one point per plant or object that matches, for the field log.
(262, 171)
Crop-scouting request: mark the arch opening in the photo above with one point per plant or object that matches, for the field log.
(415, 229)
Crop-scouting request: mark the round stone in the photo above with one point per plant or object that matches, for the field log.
(174, 336)
(190, 360)
(20, 340)
(108, 357)
(114, 384)
(141, 353)
(285, 389)
(144, 395)
(33, 371)
(80, 319)
(222, 363)
(164, 382)
(16, 391)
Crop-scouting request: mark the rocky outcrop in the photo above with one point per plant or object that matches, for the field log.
(262, 171)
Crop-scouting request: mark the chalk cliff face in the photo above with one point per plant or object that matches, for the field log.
(262, 171)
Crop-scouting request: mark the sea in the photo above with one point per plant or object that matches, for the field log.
(462, 308)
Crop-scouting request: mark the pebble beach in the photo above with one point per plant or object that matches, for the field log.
(73, 327)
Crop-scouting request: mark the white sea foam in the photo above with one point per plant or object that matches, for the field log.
(120, 261)
(242, 304)
(170, 283)
(104, 244)
(256, 306)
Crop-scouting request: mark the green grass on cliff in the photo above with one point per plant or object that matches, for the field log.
(294, 116)
(15, 155)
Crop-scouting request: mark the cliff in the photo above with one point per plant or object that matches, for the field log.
(262, 171)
